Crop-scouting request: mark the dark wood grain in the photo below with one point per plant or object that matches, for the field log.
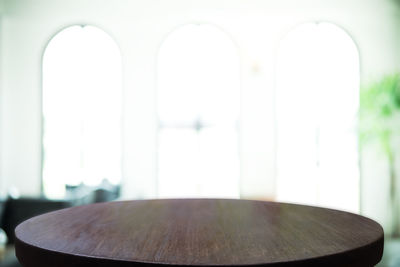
(198, 232)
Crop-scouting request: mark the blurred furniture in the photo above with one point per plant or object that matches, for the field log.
(83, 194)
(15, 210)
(198, 232)
(20, 209)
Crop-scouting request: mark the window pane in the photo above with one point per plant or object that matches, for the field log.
(219, 162)
(81, 109)
(198, 76)
(178, 168)
(317, 102)
(198, 104)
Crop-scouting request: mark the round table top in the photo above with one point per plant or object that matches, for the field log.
(198, 232)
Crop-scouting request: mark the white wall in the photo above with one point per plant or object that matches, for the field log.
(139, 26)
(2, 182)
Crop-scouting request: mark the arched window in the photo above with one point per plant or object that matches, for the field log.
(81, 109)
(317, 101)
(198, 108)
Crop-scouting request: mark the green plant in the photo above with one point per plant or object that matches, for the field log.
(380, 121)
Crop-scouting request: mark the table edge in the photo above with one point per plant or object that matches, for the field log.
(31, 252)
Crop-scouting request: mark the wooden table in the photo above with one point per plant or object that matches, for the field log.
(198, 232)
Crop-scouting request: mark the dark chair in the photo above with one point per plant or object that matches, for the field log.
(15, 210)
(19, 209)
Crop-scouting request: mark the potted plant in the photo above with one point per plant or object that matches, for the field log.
(380, 122)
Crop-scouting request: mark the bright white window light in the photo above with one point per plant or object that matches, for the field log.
(198, 107)
(317, 102)
(81, 110)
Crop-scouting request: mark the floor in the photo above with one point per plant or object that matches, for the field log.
(391, 254)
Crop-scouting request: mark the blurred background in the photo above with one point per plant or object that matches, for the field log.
(292, 101)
